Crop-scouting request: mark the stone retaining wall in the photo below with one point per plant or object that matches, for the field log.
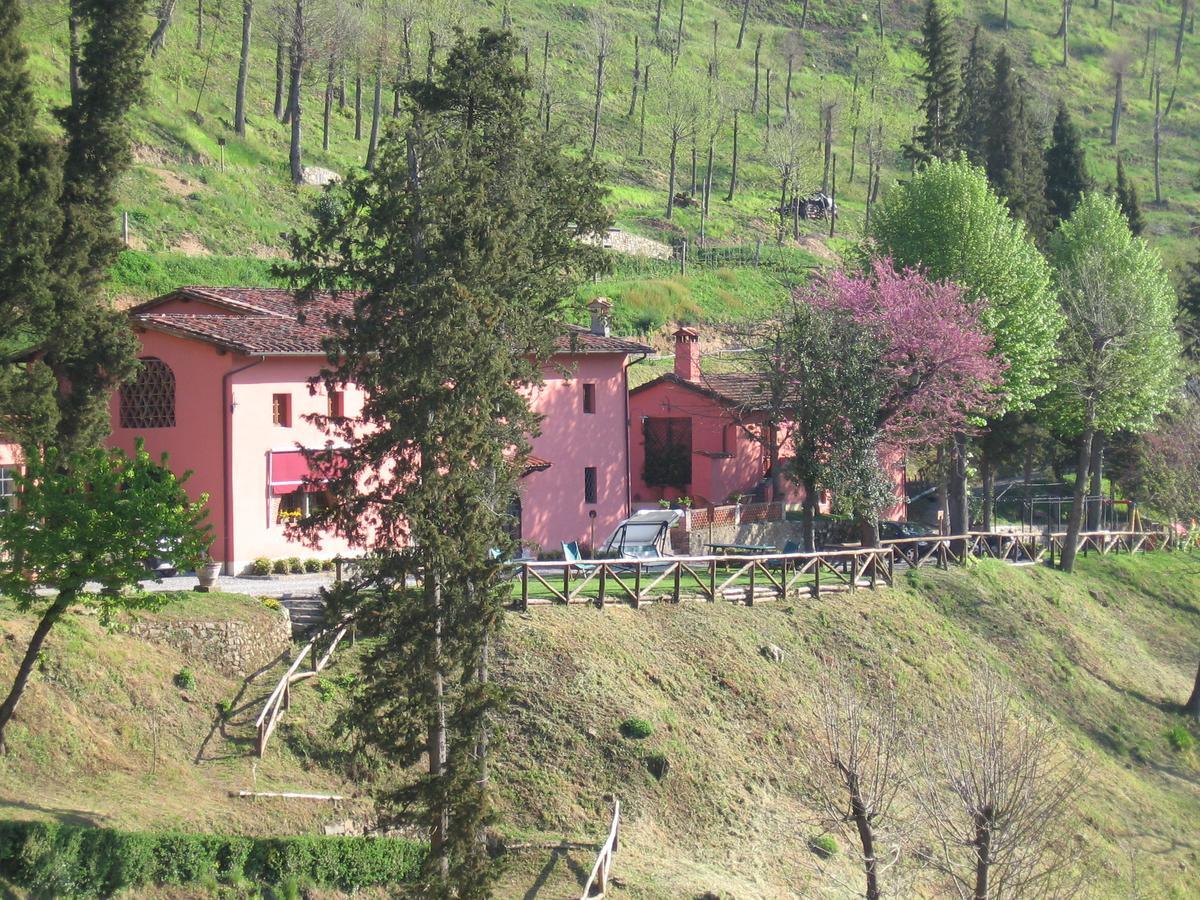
(695, 542)
(234, 645)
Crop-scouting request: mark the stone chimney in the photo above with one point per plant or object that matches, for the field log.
(601, 310)
(687, 354)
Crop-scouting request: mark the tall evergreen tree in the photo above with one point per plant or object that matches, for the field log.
(934, 138)
(462, 241)
(1013, 155)
(81, 347)
(1067, 177)
(1126, 195)
(974, 108)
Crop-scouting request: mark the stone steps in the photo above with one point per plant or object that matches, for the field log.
(306, 613)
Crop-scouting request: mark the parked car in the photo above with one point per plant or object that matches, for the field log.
(895, 531)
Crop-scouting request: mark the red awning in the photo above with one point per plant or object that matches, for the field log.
(290, 471)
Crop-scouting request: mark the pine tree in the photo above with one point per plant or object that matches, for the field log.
(971, 120)
(1127, 199)
(462, 241)
(1012, 152)
(1067, 177)
(935, 136)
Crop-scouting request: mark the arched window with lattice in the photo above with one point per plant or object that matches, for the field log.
(149, 400)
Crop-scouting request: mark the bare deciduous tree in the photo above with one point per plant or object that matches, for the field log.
(603, 37)
(855, 743)
(997, 793)
(679, 115)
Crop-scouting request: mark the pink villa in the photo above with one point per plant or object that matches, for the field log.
(224, 389)
(690, 437)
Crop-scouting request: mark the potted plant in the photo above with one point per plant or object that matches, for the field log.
(207, 573)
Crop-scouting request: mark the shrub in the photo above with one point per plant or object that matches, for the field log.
(272, 604)
(224, 709)
(636, 728)
(51, 859)
(1180, 739)
(261, 566)
(824, 845)
(312, 565)
(295, 565)
(327, 565)
(280, 567)
(185, 680)
(658, 764)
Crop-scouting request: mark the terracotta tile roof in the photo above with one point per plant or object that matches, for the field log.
(535, 464)
(267, 321)
(733, 389)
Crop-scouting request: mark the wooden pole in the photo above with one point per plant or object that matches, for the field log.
(833, 197)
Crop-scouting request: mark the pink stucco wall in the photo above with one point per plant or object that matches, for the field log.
(552, 501)
(725, 459)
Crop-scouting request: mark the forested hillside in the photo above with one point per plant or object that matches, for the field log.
(837, 68)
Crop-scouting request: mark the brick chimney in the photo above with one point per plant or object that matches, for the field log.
(601, 310)
(687, 354)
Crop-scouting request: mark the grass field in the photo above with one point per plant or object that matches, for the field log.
(189, 196)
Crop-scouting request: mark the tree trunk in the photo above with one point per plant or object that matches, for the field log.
(1005, 23)
(358, 105)
(297, 75)
(279, 75)
(808, 522)
(658, 19)
(1192, 707)
(429, 59)
(239, 106)
(866, 836)
(868, 531)
(158, 40)
(787, 88)
(879, 17)
(960, 505)
(1183, 11)
(742, 29)
(828, 141)
(1096, 488)
(671, 178)
(754, 97)
(406, 43)
(327, 113)
(642, 112)
(983, 856)
(600, 57)
(734, 164)
(1027, 477)
(440, 814)
(678, 38)
(1075, 522)
(767, 108)
(693, 183)
(199, 25)
(376, 112)
(73, 52)
(988, 475)
(708, 175)
(804, 16)
(637, 78)
(52, 615)
(1118, 103)
(1157, 138)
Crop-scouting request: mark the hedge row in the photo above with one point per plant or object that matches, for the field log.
(57, 860)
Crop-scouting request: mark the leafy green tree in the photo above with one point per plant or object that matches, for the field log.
(1067, 177)
(1012, 148)
(1119, 352)
(974, 108)
(935, 136)
(83, 347)
(95, 516)
(949, 222)
(1125, 192)
(463, 244)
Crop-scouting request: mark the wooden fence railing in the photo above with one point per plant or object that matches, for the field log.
(281, 697)
(598, 880)
(776, 576)
(746, 579)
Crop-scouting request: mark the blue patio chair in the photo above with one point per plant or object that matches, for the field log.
(572, 555)
(788, 548)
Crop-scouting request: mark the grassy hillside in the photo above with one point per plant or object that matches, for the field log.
(181, 197)
(103, 735)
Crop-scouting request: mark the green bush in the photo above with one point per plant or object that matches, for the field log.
(824, 845)
(50, 859)
(272, 604)
(327, 565)
(636, 728)
(261, 566)
(295, 565)
(312, 565)
(185, 680)
(280, 567)
(1180, 739)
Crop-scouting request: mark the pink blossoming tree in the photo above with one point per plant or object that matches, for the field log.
(930, 371)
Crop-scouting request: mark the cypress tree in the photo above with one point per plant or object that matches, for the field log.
(1066, 168)
(1127, 199)
(1012, 151)
(934, 138)
(462, 241)
(81, 348)
(971, 120)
